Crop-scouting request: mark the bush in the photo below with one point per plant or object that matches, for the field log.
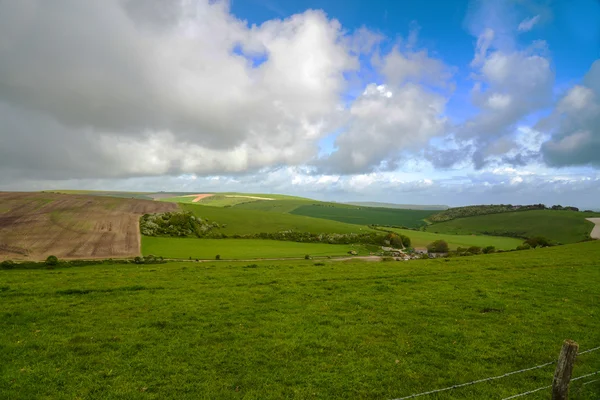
(489, 250)
(439, 246)
(52, 260)
(218, 257)
(474, 250)
(538, 241)
(7, 264)
(307, 257)
(524, 246)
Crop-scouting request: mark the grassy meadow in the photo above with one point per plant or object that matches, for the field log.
(242, 248)
(422, 239)
(274, 330)
(242, 221)
(560, 226)
(280, 206)
(366, 215)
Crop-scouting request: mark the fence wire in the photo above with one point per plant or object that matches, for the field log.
(588, 351)
(585, 376)
(548, 387)
(526, 393)
(412, 396)
(477, 381)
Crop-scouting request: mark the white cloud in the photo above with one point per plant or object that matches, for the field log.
(509, 85)
(180, 94)
(527, 24)
(383, 122)
(574, 125)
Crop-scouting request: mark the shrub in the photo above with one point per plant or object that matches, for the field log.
(7, 264)
(474, 250)
(538, 241)
(438, 246)
(489, 250)
(307, 257)
(524, 246)
(218, 257)
(51, 260)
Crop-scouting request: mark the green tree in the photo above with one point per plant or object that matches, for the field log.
(438, 246)
(51, 260)
(489, 250)
(7, 264)
(474, 250)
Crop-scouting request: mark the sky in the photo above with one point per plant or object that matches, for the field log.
(436, 102)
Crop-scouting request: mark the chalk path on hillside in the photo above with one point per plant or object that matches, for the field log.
(596, 231)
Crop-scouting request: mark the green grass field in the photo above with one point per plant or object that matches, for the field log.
(422, 239)
(366, 215)
(241, 248)
(283, 330)
(242, 221)
(280, 206)
(560, 226)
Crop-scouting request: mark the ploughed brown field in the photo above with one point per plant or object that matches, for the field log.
(36, 225)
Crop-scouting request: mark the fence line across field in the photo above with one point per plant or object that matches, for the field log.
(412, 396)
(526, 393)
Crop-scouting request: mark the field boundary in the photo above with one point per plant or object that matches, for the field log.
(412, 396)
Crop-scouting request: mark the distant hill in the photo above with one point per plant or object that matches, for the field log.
(486, 209)
(558, 225)
(394, 205)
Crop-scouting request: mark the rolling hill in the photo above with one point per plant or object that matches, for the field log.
(365, 215)
(559, 226)
(243, 221)
(421, 239)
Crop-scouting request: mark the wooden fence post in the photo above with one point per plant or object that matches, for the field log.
(564, 368)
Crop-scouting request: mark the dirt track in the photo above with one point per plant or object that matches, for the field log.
(596, 231)
(35, 225)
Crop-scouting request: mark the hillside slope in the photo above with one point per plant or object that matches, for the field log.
(559, 226)
(242, 221)
(35, 225)
(365, 215)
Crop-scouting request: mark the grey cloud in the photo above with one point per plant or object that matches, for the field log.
(154, 87)
(575, 125)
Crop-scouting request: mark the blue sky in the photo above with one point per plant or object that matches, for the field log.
(454, 102)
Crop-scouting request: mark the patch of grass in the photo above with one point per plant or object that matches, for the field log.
(365, 215)
(559, 226)
(280, 206)
(295, 330)
(241, 248)
(242, 221)
(422, 239)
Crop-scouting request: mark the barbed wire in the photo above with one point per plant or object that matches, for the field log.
(526, 393)
(585, 376)
(547, 387)
(412, 396)
(588, 351)
(477, 381)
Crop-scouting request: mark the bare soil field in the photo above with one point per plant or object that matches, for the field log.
(35, 225)
(201, 196)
